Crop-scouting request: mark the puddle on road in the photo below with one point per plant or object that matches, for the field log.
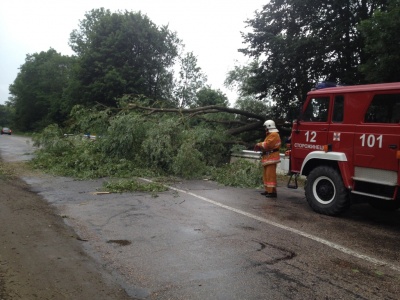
(120, 242)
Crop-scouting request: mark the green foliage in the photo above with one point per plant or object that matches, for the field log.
(37, 92)
(208, 96)
(237, 148)
(253, 105)
(52, 140)
(82, 160)
(132, 145)
(7, 113)
(137, 147)
(160, 145)
(300, 42)
(210, 142)
(5, 171)
(73, 156)
(129, 185)
(189, 161)
(94, 121)
(122, 53)
(382, 40)
(239, 79)
(190, 80)
(241, 173)
(125, 136)
(79, 157)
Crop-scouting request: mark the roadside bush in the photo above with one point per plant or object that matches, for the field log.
(210, 142)
(69, 156)
(241, 173)
(189, 162)
(162, 143)
(125, 137)
(51, 139)
(93, 121)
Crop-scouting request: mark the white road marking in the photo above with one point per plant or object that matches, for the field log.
(290, 229)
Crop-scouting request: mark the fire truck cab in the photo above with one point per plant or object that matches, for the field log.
(346, 141)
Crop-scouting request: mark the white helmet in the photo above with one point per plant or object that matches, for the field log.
(270, 125)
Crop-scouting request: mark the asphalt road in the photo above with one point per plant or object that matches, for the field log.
(200, 240)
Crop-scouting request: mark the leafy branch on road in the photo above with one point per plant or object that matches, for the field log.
(133, 185)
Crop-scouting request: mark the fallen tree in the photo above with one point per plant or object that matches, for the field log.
(241, 122)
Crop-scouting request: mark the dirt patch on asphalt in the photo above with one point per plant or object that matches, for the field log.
(41, 257)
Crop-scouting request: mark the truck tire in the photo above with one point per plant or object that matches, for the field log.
(325, 191)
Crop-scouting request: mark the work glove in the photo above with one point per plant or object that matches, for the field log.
(257, 148)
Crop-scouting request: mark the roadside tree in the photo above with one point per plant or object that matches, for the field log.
(189, 81)
(382, 40)
(298, 43)
(122, 53)
(37, 91)
(6, 115)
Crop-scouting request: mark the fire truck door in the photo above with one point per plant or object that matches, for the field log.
(311, 133)
(377, 139)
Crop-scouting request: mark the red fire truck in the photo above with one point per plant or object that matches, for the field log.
(346, 141)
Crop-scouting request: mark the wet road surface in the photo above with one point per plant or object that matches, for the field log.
(200, 240)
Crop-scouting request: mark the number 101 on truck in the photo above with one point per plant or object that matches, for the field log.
(346, 141)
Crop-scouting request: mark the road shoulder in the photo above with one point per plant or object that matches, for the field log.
(40, 256)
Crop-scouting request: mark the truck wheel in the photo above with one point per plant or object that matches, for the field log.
(325, 191)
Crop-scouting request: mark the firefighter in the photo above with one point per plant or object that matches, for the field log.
(270, 158)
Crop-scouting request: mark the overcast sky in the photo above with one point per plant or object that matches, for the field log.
(209, 28)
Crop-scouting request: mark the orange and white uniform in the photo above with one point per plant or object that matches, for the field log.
(270, 158)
